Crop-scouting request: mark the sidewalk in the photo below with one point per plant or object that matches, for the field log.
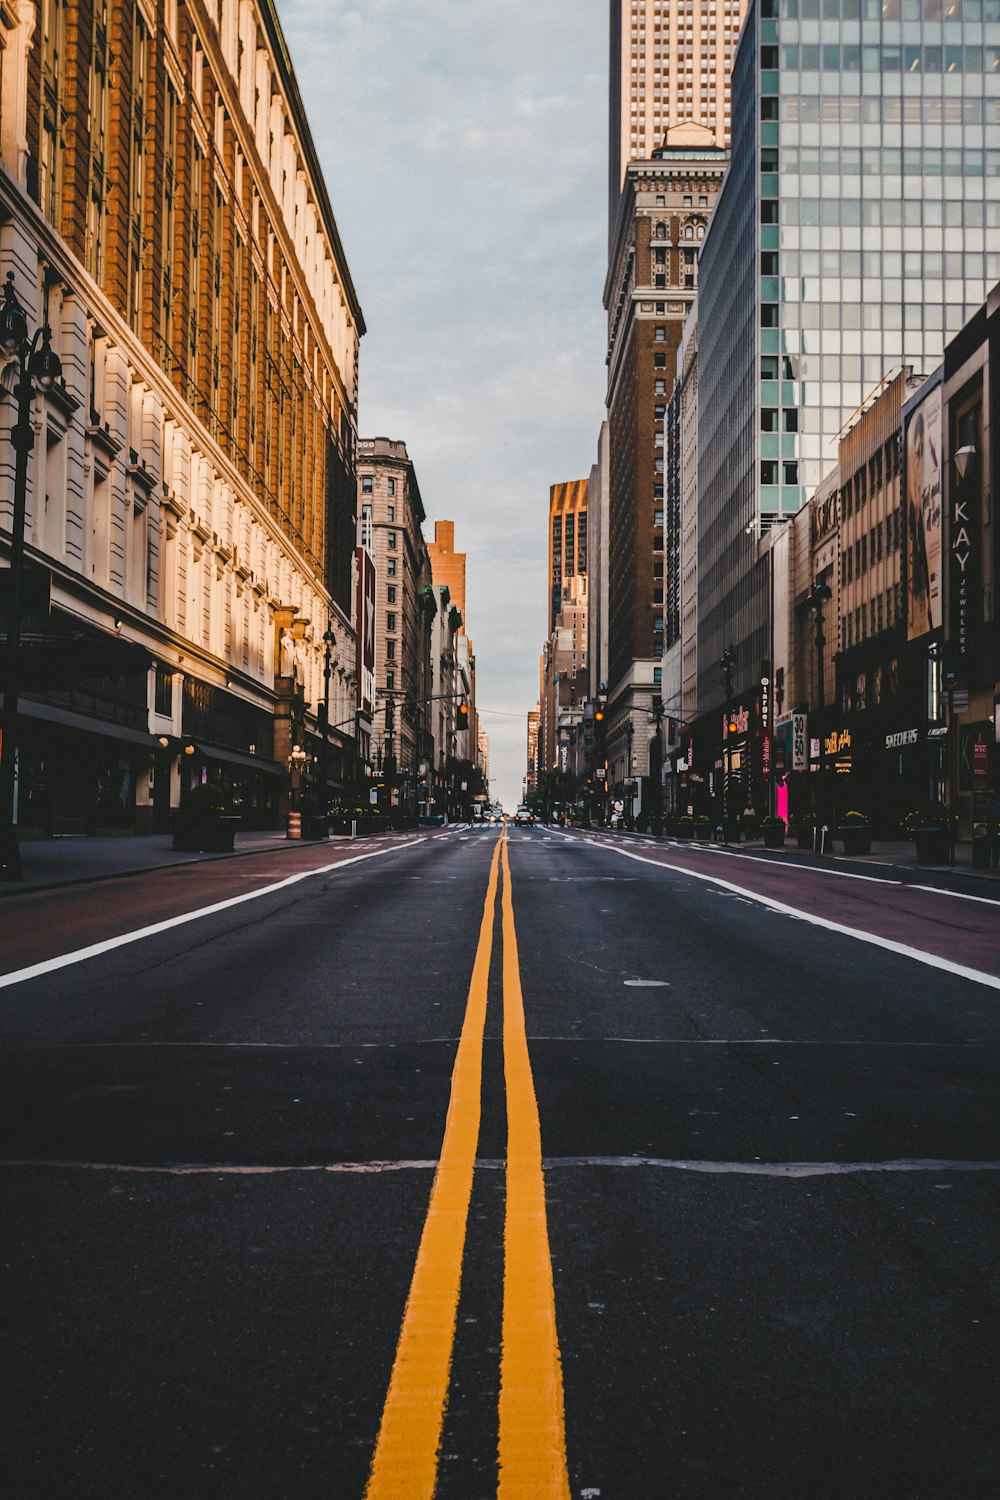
(890, 858)
(68, 860)
(896, 855)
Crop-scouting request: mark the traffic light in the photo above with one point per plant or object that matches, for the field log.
(598, 715)
(463, 715)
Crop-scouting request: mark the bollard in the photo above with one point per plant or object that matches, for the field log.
(294, 825)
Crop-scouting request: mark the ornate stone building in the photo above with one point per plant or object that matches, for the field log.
(392, 516)
(192, 485)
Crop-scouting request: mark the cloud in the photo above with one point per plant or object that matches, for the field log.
(465, 152)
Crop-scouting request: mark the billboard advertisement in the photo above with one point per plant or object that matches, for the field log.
(922, 489)
(366, 632)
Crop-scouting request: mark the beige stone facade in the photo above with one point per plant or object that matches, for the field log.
(192, 486)
(391, 516)
(670, 70)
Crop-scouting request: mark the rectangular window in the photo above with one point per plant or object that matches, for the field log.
(366, 484)
(391, 486)
(390, 650)
(390, 511)
(390, 541)
(390, 567)
(390, 594)
(390, 620)
(390, 679)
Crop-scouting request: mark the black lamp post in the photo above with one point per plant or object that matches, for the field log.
(819, 595)
(38, 366)
(329, 641)
(727, 663)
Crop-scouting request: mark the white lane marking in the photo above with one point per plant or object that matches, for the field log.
(223, 1169)
(647, 984)
(452, 1041)
(774, 1168)
(788, 1169)
(687, 846)
(64, 960)
(680, 1041)
(977, 976)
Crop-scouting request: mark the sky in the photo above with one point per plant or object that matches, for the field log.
(464, 147)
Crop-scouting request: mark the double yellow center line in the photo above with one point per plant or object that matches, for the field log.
(532, 1443)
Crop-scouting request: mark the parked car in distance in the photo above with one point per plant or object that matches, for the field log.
(524, 817)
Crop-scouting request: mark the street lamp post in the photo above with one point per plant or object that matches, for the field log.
(628, 788)
(819, 595)
(727, 662)
(329, 641)
(38, 365)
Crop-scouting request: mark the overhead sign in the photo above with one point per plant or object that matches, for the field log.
(366, 632)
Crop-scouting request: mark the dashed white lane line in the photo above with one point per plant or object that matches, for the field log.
(932, 960)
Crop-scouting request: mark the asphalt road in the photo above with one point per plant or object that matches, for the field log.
(768, 1112)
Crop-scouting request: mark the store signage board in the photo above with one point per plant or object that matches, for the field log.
(800, 759)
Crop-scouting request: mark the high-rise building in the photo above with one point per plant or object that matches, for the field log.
(663, 218)
(670, 67)
(448, 571)
(856, 230)
(564, 679)
(531, 772)
(391, 514)
(567, 543)
(447, 565)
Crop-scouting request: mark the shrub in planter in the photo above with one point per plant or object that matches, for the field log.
(685, 827)
(805, 829)
(855, 833)
(315, 823)
(932, 829)
(773, 832)
(202, 825)
(702, 827)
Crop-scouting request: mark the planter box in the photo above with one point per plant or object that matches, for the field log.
(856, 839)
(933, 845)
(201, 835)
(774, 838)
(315, 826)
(804, 837)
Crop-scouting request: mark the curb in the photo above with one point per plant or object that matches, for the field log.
(10, 888)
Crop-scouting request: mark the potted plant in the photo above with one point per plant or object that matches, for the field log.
(702, 826)
(202, 824)
(773, 832)
(315, 823)
(685, 827)
(855, 832)
(805, 829)
(932, 829)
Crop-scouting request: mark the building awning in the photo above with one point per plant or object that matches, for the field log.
(28, 709)
(229, 757)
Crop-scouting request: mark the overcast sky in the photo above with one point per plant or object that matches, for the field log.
(464, 145)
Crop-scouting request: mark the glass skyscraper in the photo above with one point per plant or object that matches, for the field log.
(857, 229)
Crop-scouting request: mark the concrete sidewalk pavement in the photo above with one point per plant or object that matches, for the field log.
(69, 860)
